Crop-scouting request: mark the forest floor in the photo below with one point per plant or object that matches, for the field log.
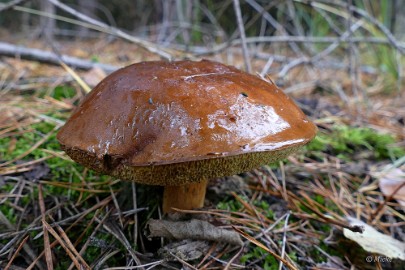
(299, 213)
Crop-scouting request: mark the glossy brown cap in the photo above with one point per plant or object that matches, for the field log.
(170, 123)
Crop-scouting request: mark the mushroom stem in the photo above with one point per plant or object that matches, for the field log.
(184, 197)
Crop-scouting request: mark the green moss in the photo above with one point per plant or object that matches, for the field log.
(344, 141)
(63, 91)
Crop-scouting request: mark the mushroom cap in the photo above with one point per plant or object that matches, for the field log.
(170, 123)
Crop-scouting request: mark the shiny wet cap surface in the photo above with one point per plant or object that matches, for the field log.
(164, 113)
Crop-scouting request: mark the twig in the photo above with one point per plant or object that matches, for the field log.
(95, 230)
(284, 240)
(135, 206)
(119, 235)
(76, 218)
(151, 265)
(392, 40)
(47, 247)
(242, 34)
(352, 58)
(11, 4)
(16, 252)
(322, 54)
(280, 28)
(229, 264)
(149, 46)
(67, 245)
(298, 39)
(257, 243)
(25, 53)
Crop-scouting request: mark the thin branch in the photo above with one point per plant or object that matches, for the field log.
(236, 5)
(352, 58)
(322, 54)
(25, 53)
(392, 40)
(284, 240)
(299, 39)
(280, 28)
(11, 4)
(149, 46)
(47, 246)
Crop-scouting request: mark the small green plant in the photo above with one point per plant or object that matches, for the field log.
(263, 205)
(268, 262)
(230, 205)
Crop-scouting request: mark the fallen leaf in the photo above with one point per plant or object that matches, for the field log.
(373, 241)
(191, 229)
(390, 181)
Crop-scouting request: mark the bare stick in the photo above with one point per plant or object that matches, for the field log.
(352, 59)
(11, 50)
(242, 34)
(11, 4)
(322, 54)
(47, 246)
(284, 240)
(298, 39)
(392, 40)
(267, 16)
(151, 47)
(135, 206)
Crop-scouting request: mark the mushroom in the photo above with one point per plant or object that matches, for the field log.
(179, 124)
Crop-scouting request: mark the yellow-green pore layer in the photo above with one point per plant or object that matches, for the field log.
(183, 173)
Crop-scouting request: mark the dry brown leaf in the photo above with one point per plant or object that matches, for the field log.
(390, 182)
(373, 241)
(192, 229)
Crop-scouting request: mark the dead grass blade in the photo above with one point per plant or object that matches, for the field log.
(75, 186)
(77, 78)
(96, 229)
(257, 243)
(120, 236)
(20, 246)
(23, 167)
(76, 218)
(67, 245)
(314, 207)
(47, 248)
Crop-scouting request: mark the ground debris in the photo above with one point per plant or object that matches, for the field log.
(187, 250)
(37, 171)
(192, 229)
(375, 242)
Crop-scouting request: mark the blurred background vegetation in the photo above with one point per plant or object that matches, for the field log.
(198, 18)
(353, 35)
